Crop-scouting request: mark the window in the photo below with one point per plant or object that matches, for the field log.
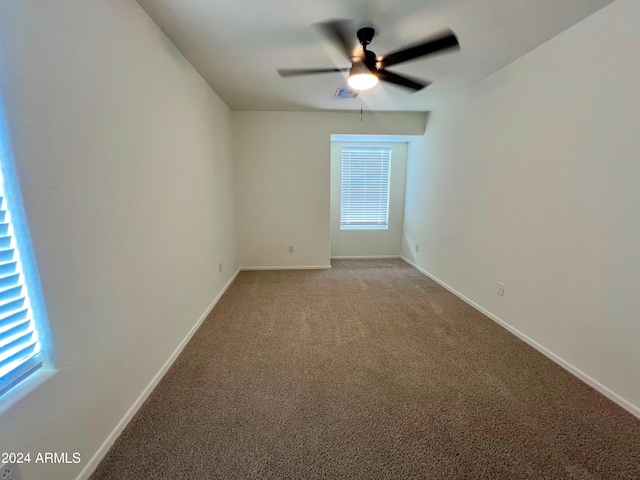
(364, 203)
(20, 346)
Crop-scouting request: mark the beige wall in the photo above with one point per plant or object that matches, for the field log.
(124, 157)
(282, 164)
(531, 178)
(369, 243)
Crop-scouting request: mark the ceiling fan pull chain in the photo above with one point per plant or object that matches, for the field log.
(361, 103)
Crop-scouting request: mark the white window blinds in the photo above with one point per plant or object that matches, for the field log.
(19, 346)
(364, 203)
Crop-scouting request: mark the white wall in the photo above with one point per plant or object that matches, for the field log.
(369, 243)
(531, 178)
(124, 158)
(282, 162)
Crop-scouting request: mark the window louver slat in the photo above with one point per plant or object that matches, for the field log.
(15, 329)
(9, 293)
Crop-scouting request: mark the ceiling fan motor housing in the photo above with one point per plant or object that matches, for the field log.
(365, 35)
(370, 60)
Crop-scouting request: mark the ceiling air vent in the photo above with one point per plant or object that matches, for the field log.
(345, 93)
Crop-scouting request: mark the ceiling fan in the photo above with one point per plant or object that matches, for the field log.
(366, 68)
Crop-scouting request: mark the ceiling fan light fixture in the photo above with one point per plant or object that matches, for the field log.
(361, 77)
(362, 81)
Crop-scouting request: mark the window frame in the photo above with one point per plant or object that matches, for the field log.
(26, 267)
(384, 154)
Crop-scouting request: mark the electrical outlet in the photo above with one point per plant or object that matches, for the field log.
(290, 248)
(416, 247)
(9, 471)
(220, 267)
(500, 288)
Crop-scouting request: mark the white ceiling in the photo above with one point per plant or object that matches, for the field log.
(236, 45)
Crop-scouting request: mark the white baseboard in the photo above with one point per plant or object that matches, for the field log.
(365, 257)
(294, 267)
(92, 464)
(611, 395)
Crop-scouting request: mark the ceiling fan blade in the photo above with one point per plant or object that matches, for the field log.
(294, 72)
(340, 33)
(446, 40)
(401, 80)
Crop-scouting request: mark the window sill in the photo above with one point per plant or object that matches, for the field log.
(26, 387)
(364, 228)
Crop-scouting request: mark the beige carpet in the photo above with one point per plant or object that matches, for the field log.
(368, 370)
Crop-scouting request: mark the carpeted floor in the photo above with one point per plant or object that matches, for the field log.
(368, 370)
